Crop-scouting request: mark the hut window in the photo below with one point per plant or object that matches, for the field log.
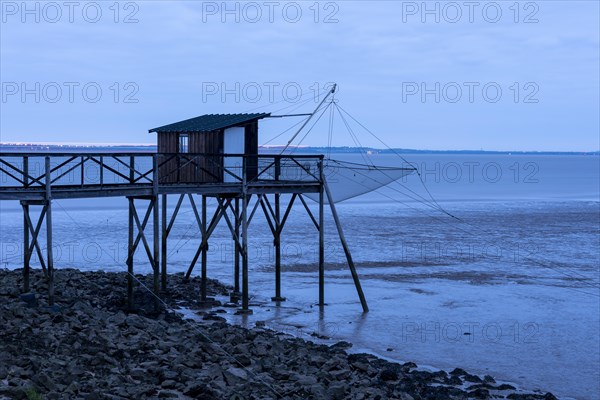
(184, 143)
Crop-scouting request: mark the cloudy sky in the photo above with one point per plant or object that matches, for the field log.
(435, 75)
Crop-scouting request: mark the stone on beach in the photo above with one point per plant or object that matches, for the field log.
(90, 346)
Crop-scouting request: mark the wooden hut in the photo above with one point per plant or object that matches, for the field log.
(209, 149)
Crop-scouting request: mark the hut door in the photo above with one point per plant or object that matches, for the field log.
(233, 143)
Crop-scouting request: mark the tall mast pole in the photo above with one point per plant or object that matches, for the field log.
(309, 118)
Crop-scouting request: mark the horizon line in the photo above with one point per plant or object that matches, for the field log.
(275, 146)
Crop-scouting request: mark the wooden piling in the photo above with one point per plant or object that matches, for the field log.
(163, 250)
(338, 225)
(204, 251)
(321, 238)
(49, 255)
(277, 242)
(130, 256)
(245, 295)
(244, 253)
(155, 232)
(236, 248)
(26, 254)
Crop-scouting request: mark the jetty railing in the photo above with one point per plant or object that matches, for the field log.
(37, 179)
(34, 172)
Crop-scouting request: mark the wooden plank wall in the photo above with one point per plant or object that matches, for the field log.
(207, 167)
(167, 143)
(210, 166)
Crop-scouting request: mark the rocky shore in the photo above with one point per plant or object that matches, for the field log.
(89, 346)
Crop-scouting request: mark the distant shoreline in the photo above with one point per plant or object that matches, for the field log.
(41, 147)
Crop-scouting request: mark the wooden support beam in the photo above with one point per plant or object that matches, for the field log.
(312, 218)
(80, 164)
(26, 253)
(130, 252)
(153, 255)
(321, 240)
(163, 250)
(253, 209)
(131, 170)
(31, 239)
(215, 221)
(141, 228)
(155, 233)
(156, 252)
(244, 250)
(114, 171)
(82, 171)
(51, 170)
(277, 235)
(245, 303)
(195, 210)
(101, 170)
(230, 225)
(35, 233)
(13, 176)
(236, 251)
(26, 171)
(204, 250)
(272, 227)
(277, 244)
(49, 255)
(175, 212)
(140, 235)
(338, 225)
(287, 213)
(23, 173)
(271, 211)
(204, 242)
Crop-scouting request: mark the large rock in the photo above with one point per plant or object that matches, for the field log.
(234, 375)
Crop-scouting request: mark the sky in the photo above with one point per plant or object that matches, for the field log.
(476, 75)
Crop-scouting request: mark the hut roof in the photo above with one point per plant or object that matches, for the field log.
(209, 122)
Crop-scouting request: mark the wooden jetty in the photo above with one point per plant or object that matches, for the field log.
(212, 156)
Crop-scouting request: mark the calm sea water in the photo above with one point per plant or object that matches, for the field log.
(491, 265)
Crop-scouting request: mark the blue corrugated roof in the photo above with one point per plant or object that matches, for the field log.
(209, 122)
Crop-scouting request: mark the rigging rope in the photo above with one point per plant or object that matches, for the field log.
(566, 274)
(313, 125)
(355, 138)
(418, 198)
(293, 126)
(430, 203)
(436, 205)
(404, 159)
(288, 129)
(286, 100)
